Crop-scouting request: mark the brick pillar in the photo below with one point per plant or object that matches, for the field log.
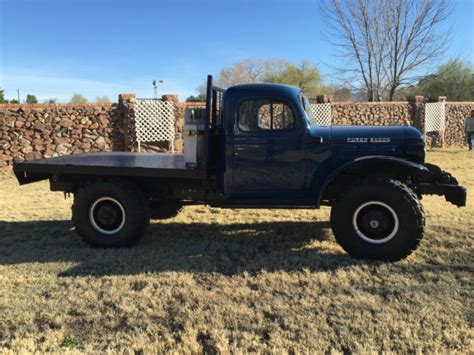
(323, 99)
(437, 99)
(126, 105)
(416, 110)
(178, 122)
(170, 97)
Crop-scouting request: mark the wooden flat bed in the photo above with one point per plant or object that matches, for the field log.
(108, 164)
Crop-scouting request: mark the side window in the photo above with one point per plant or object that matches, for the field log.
(256, 115)
(246, 119)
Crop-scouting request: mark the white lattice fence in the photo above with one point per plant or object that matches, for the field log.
(154, 121)
(435, 116)
(322, 114)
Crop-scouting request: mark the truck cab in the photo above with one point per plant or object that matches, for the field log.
(271, 151)
(265, 128)
(260, 148)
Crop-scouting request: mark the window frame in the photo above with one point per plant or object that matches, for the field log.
(302, 97)
(266, 130)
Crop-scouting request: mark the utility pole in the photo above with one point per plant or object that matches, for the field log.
(155, 92)
(18, 93)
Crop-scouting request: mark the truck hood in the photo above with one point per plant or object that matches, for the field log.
(367, 134)
(351, 142)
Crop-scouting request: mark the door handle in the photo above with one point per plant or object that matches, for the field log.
(318, 140)
(246, 146)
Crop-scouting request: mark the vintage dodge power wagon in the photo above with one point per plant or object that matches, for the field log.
(257, 148)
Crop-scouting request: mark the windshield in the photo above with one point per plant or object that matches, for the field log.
(307, 108)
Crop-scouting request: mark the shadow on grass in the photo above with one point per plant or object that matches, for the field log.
(446, 151)
(197, 247)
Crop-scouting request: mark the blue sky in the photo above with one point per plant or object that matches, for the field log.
(54, 48)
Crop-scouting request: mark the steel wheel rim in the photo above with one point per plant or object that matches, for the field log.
(375, 222)
(98, 215)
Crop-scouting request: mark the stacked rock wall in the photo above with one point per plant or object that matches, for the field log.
(456, 113)
(370, 113)
(411, 112)
(30, 132)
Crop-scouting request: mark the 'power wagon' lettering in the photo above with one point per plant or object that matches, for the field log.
(368, 140)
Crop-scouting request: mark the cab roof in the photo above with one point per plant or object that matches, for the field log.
(263, 89)
(235, 95)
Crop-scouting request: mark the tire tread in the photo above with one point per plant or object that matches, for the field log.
(127, 189)
(395, 187)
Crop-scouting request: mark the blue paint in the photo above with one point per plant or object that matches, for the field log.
(296, 164)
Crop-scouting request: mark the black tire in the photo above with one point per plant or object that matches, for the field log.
(165, 209)
(379, 220)
(110, 214)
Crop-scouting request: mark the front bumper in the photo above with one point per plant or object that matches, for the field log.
(439, 182)
(456, 194)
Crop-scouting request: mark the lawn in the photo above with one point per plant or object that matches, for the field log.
(232, 280)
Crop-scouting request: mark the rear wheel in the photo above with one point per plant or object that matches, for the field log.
(381, 220)
(110, 214)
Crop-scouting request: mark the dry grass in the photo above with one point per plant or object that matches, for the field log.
(231, 280)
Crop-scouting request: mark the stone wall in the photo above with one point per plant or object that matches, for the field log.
(370, 113)
(456, 113)
(411, 112)
(30, 132)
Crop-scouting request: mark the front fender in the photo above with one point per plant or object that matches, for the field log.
(368, 166)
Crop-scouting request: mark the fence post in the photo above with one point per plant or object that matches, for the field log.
(126, 105)
(177, 142)
(416, 110)
(324, 99)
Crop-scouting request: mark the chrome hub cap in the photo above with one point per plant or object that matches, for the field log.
(375, 222)
(107, 215)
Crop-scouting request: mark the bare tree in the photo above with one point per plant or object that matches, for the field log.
(249, 71)
(357, 32)
(304, 75)
(385, 42)
(415, 38)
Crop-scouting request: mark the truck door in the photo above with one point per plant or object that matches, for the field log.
(268, 153)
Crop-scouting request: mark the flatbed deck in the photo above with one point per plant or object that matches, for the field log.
(111, 163)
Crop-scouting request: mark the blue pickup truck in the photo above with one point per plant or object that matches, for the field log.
(260, 150)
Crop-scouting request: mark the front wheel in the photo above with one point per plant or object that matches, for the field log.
(381, 220)
(110, 214)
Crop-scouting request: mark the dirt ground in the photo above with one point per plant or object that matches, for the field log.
(232, 281)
